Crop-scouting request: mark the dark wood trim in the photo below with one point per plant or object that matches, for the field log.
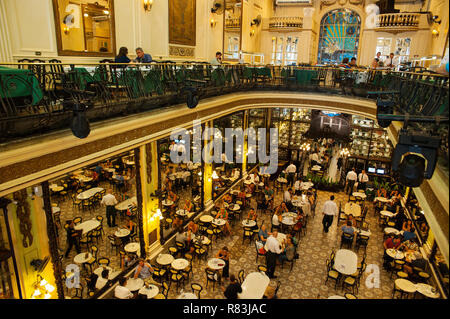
(62, 52)
(52, 240)
(137, 161)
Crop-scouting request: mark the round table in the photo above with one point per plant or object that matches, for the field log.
(179, 263)
(387, 213)
(352, 209)
(235, 207)
(151, 291)
(167, 202)
(134, 284)
(391, 230)
(81, 258)
(182, 212)
(206, 218)
(88, 225)
(405, 285)
(288, 221)
(219, 221)
(187, 295)
(427, 291)
(346, 261)
(165, 259)
(394, 253)
(56, 188)
(132, 247)
(382, 199)
(123, 232)
(205, 241)
(361, 195)
(216, 263)
(248, 223)
(336, 297)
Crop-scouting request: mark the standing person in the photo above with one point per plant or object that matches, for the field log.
(224, 254)
(217, 60)
(287, 198)
(330, 210)
(273, 248)
(72, 238)
(142, 57)
(231, 292)
(363, 179)
(350, 181)
(109, 200)
(290, 171)
(389, 62)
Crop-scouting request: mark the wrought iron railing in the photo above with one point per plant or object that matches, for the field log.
(34, 96)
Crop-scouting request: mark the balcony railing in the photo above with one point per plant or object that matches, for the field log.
(36, 98)
(398, 21)
(285, 24)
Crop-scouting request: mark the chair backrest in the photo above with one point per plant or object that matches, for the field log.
(77, 220)
(241, 276)
(196, 288)
(103, 261)
(165, 290)
(210, 274)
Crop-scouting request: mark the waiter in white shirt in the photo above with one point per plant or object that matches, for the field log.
(287, 198)
(273, 248)
(330, 210)
(110, 201)
(290, 171)
(121, 291)
(389, 62)
(350, 181)
(362, 179)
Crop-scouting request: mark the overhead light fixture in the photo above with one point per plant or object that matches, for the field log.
(86, 15)
(148, 5)
(105, 11)
(435, 32)
(415, 158)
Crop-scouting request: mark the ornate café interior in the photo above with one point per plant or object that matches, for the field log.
(224, 149)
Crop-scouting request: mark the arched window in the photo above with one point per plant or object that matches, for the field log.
(339, 36)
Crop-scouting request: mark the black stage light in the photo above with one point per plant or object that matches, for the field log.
(384, 107)
(79, 123)
(414, 158)
(192, 97)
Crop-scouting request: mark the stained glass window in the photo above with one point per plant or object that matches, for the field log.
(339, 36)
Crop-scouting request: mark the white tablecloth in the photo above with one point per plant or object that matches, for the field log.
(88, 226)
(254, 286)
(165, 259)
(151, 291)
(346, 261)
(123, 232)
(206, 218)
(248, 223)
(219, 221)
(180, 263)
(134, 284)
(216, 263)
(187, 295)
(89, 193)
(81, 258)
(126, 203)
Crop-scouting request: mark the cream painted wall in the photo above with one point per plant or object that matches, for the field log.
(28, 26)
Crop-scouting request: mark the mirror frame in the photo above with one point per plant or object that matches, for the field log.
(62, 52)
(240, 32)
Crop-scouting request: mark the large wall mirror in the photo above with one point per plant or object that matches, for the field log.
(85, 27)
(232, 27)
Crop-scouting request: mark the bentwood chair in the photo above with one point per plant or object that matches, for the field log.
(165, 291)
(176, 277)
(197, 289)
(241, 276)
(159, 273)
(211, 276)
(103, 261)
(332, 274)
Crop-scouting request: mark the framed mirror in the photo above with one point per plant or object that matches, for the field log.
(85, 27)
(232, 30)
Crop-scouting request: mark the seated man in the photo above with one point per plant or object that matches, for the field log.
(121, 291)
(409, 235)
(348, 228)
(263, 234)
(102, 280)
(144, 270)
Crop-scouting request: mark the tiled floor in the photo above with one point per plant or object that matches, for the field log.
(307, 278)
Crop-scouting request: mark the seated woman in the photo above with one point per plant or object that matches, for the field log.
(177, 222)
(299, 224)
(193, 227)
(276, 219)
(352, 220)
(252, 216)
(227, 198)
(407, 224)
(282, 208)
(188, 206)
(288, 251)
(381, 192)
(223, 214)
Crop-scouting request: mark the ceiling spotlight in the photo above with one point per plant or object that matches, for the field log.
(414, 158)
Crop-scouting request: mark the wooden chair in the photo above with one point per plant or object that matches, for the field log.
(197, 289)
(241, 276)
(165, 291)
(211, 276)
(332, 274)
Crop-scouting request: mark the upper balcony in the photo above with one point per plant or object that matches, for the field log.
(400, 22)
(283, 24)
